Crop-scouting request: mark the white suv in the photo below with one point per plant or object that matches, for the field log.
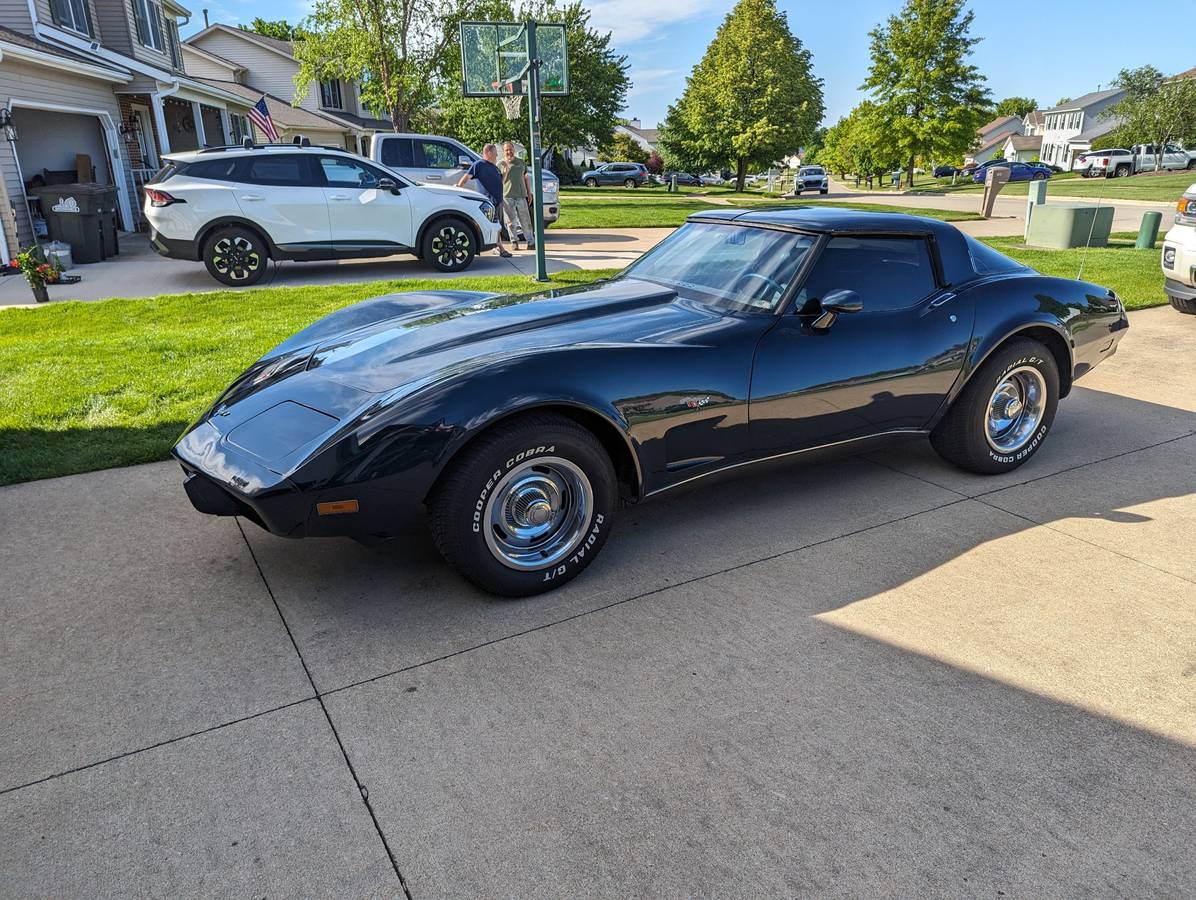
(235, 208)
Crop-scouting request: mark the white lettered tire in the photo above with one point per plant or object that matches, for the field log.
(526, 507)
(1003, 415)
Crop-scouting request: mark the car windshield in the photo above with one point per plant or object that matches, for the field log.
(812, 170)
(737, 265)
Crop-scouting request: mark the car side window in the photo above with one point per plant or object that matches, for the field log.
(396, 152)
(888, 273)
(214, 169)
(273, 169)
(341, 171)
(436, 155)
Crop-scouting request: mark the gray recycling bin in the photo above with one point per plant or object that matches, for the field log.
(83, 215)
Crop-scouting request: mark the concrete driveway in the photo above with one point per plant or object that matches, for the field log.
(872, 676)
(138, 271)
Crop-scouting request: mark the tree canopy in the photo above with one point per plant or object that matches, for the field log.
(275, 28)
(1155, 109)
(622, 147)
(752, 98)
(931, 98)
(1016, 106)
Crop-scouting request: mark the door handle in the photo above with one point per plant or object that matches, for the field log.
(946, 298)
(433, 178)
(251, 197)
(338, 196)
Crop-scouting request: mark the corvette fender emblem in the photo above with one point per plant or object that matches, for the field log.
(696, 402)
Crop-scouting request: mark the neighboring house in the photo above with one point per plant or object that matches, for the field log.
(96, 89)
(1032, 123)
(1022, 147)
(1070, 128)
(648, 138)
(991, 138)
(268, 65)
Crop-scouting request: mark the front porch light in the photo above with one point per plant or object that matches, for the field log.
(128, 130)
(10, 130)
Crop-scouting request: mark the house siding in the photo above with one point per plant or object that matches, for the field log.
(1061, 126)
(264, 68)
(15, 15)
(112, 18)
(205, 68)
(23, 81)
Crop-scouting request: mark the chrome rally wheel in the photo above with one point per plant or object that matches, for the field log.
(1015, 409)
(537, 513)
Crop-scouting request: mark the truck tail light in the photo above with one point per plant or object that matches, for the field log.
(161, 198)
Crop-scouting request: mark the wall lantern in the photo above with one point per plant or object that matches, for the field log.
(10, 130)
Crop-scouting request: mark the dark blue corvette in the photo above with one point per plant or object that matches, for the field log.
(522, 422)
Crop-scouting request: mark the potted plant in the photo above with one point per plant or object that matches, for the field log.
(38, 271)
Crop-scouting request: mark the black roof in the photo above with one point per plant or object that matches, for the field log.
(840, 220)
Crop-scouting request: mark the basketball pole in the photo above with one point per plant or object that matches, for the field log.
(533, 114)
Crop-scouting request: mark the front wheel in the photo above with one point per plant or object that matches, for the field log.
(591, 182)
(1002, 416)
(823, 191)
(448, 245)
(235, 256)
(1184, 305)
(1039, 176)
(526, 507)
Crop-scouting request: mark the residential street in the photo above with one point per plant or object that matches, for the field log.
(872, 675)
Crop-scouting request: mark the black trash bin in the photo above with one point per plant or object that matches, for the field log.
(76, 213)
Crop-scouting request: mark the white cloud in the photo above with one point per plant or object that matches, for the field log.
(644, 81)
(633, 20)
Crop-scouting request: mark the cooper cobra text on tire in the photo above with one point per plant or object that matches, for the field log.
(448, 245)
(1002, 416)
(235, 256)
(526, 507)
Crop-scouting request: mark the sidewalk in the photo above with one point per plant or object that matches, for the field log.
(139, 272)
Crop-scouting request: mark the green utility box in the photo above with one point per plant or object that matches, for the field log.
(82, 215)
(1062, 226)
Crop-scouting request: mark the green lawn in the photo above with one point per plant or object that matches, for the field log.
(1165, 188)
(87, 386)
(636, 209)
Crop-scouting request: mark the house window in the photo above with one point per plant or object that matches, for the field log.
(72, 14)
(330, 94)
(148, 16)
(176, 56)
(240, 127)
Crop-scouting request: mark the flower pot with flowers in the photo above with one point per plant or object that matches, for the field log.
(38, 271)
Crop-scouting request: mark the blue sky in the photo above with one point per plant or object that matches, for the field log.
(1046, 50)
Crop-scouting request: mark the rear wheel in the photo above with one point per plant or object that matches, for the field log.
(1002, 416)
(1039, 176)
(448, 245)
(526, 507)
(630, 183)
(235, 256)
(1184, 305)
(1123, 171)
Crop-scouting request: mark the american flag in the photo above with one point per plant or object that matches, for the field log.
(260, 116)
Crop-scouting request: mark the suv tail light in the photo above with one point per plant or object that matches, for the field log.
(161, 198)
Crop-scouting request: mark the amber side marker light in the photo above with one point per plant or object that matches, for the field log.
(336, 507)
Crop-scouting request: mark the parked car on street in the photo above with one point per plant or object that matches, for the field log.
(685, 179)
(438, 160)
(1170, 157)
(946, 171)
(521, 423)
(811, 178)
(1179, 255)
(713, 179)
(1018, 171)
(1121, 163)
(630, 175)
(236, 208)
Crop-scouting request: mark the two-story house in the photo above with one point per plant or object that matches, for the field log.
(990, 138)
(239, 60)
(96, 90)
(1069, 128)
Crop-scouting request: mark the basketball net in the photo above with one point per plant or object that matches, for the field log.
(511, 97)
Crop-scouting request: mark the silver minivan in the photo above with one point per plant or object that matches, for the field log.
(435, 159)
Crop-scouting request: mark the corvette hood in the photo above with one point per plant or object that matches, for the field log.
(477, 329)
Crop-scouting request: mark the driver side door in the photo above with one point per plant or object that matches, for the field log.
(886, 367)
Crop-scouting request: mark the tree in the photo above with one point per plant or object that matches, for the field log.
(392, 48)
(751, 99)
(598, 84)
(1155, 109)
(655, 163)
(276, 28)
(931, 98)
(1016, 106)
(622, 147)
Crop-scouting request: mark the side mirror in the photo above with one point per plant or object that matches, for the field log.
(388, 184)
(464, 162)
(834, 304)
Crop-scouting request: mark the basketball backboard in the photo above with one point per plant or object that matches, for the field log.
(494, 58)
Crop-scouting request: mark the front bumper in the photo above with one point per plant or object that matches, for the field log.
(1178, 261)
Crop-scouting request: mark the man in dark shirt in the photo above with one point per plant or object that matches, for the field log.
(490, 179)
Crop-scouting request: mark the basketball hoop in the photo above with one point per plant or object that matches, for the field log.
(511, 95)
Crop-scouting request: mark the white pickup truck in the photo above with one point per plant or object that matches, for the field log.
(1118, 163)
(1179, 255)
